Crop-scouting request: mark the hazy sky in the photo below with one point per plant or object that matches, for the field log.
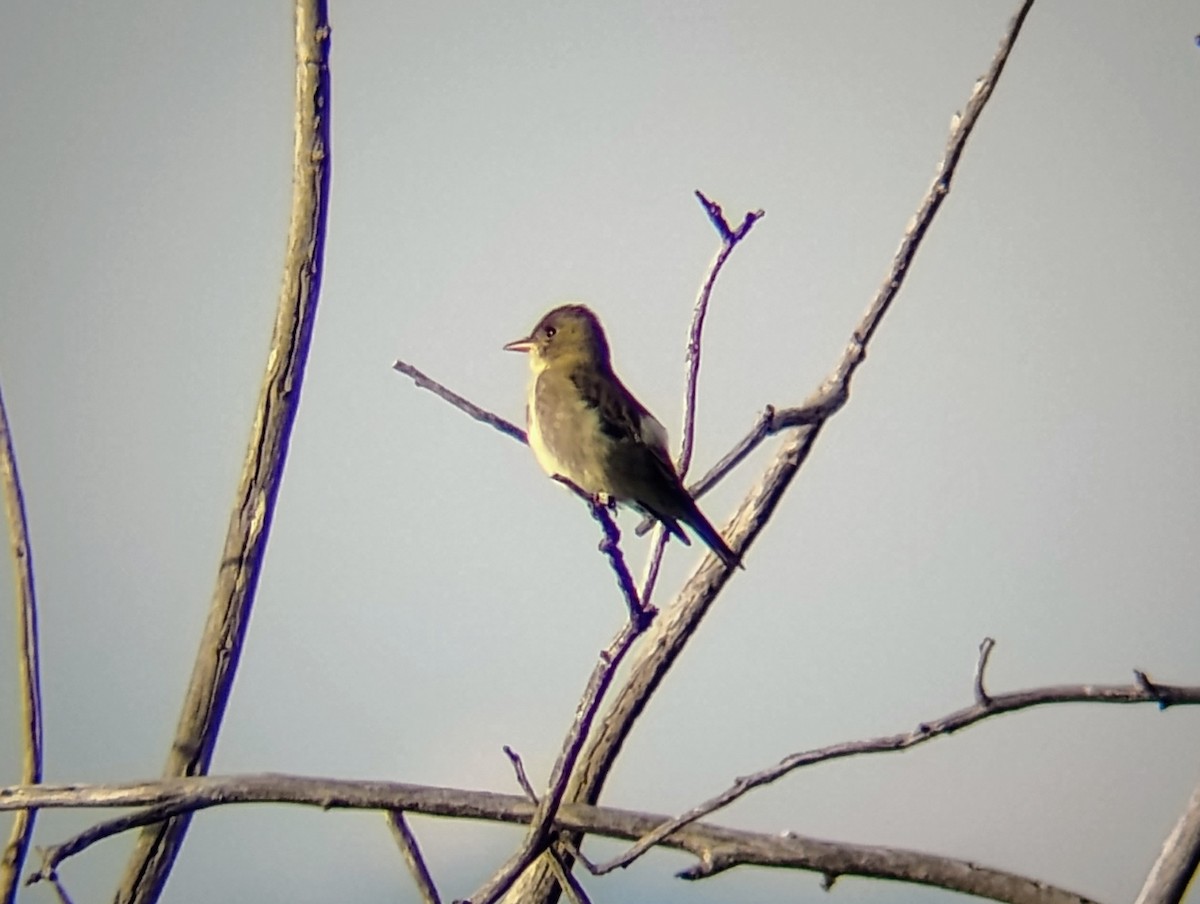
(1019, 457)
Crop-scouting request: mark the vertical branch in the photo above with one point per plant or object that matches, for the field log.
(28, 669)
(249, 528)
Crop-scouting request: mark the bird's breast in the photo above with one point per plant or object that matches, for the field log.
(564, 433)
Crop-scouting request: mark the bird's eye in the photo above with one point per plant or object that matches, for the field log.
(550, 331)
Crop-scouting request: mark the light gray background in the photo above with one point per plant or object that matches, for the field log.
(1019, 458)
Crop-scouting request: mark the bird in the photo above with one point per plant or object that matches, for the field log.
(585, 426)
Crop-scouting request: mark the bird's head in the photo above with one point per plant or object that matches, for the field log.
(570, 334)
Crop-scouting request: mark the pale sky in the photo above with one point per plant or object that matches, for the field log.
(1018, 460)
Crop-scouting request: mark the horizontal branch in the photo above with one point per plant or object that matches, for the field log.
(717, 848)
(985, 707)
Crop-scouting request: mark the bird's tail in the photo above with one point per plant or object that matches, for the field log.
(713, 540)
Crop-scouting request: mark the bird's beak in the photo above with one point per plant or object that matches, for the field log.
(521, 345)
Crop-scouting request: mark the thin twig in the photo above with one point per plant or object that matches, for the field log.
(639, 613)
(985, 651)
(424, 381)
(28, 668)
(411, 851)
(729, 240)
(658, 543)
(710, 844)
(519, 769)
(249, 527)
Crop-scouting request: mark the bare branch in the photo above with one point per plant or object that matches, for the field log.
(717, 848)
(653, 562)
(411, 852)
(1177, 863)
(639, 613)
(926, 731)
(729, 241)
(28, 669)
(249, 526)
(519, 769)
(425, 381)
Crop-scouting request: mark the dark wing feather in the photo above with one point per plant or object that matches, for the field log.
(642, 472)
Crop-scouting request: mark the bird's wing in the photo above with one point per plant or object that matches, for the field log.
(650, 480)
(653, 483)
(622, 417)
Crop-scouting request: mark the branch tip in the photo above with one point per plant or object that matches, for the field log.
(519, 769)
(985, 651)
